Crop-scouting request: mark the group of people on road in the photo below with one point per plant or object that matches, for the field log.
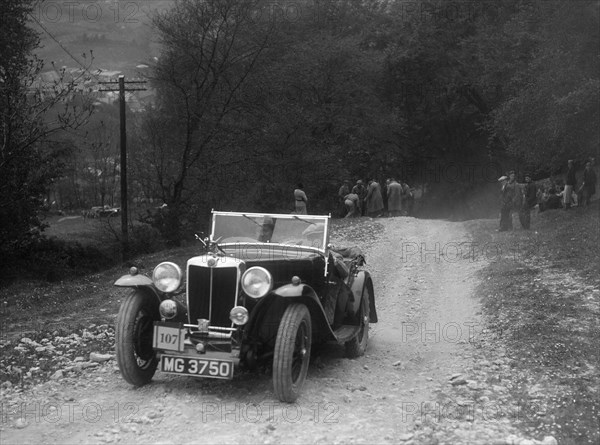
(524, 197)
(361, 200)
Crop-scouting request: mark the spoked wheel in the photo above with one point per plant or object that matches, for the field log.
(133, 341)
(292, 352)
(357, 346)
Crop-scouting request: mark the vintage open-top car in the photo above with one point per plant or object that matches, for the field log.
(265, 288)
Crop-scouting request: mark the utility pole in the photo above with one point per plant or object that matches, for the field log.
(123, 129)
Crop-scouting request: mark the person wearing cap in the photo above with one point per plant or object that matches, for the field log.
(529, 201)
(570, 183)
(509, 193)
(360, 190)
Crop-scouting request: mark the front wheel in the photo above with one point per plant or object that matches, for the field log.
(357, 346)
(292, 352)
(136, 357)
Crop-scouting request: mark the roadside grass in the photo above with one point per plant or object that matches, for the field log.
(542, 302)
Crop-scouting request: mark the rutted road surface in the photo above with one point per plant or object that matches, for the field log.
(404, 390)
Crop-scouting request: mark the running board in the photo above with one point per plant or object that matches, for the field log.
(345, 332)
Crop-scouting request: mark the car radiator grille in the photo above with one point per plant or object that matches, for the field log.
(215, 307)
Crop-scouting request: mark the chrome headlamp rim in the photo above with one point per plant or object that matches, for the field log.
(239, 315)
(167, 277)
(254, 289)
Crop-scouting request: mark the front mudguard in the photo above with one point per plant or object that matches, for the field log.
(361, 280)
(142, 283)
(269, 310)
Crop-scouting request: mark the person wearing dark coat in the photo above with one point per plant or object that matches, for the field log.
(588, 188)
(528, 202)
(508, 196)
(570, 183)
(360, 190)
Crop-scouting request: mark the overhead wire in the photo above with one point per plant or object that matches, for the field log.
(86, 69)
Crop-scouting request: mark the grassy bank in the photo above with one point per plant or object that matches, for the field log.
(541, 298)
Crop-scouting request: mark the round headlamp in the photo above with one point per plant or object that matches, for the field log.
(257, 282)
(167, 277)
(239, 315)
(167, 309)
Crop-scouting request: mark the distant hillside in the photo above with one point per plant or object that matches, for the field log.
(118, 33)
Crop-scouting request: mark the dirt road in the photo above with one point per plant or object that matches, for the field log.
(406, 389)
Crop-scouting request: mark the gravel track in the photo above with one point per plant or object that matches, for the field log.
(406, 389)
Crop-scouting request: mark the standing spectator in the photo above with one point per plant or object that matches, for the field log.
(407, 197)
(410, 202)
(529, 201)
(384, 196)
(570, 183)
(342, 192)
(301, 200)
(374, 200)
(588, 188)
(351, 202)
(360, 190)
(509, 192)
(394, 198)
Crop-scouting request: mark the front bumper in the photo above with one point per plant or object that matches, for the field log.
(182, 350)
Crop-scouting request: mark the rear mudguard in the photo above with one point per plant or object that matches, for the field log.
(357, 284)
(270, 309)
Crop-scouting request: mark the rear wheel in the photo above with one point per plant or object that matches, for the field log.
(357, 346)
(292, 352)
(136, 357)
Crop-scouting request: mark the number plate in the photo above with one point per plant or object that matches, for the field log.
(198, 367)
(168, 337)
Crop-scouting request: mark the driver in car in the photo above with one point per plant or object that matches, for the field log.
(266, 230)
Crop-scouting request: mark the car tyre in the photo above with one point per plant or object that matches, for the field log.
(292, 352)
(357, 346)
(136, 357)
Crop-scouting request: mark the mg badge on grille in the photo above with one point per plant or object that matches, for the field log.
(203, 325)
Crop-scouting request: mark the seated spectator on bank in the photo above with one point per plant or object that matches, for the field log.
(550, 200)
(573, 198)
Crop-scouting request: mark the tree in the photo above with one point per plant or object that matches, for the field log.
(29, 112)
(210, 53)
(551, 110)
